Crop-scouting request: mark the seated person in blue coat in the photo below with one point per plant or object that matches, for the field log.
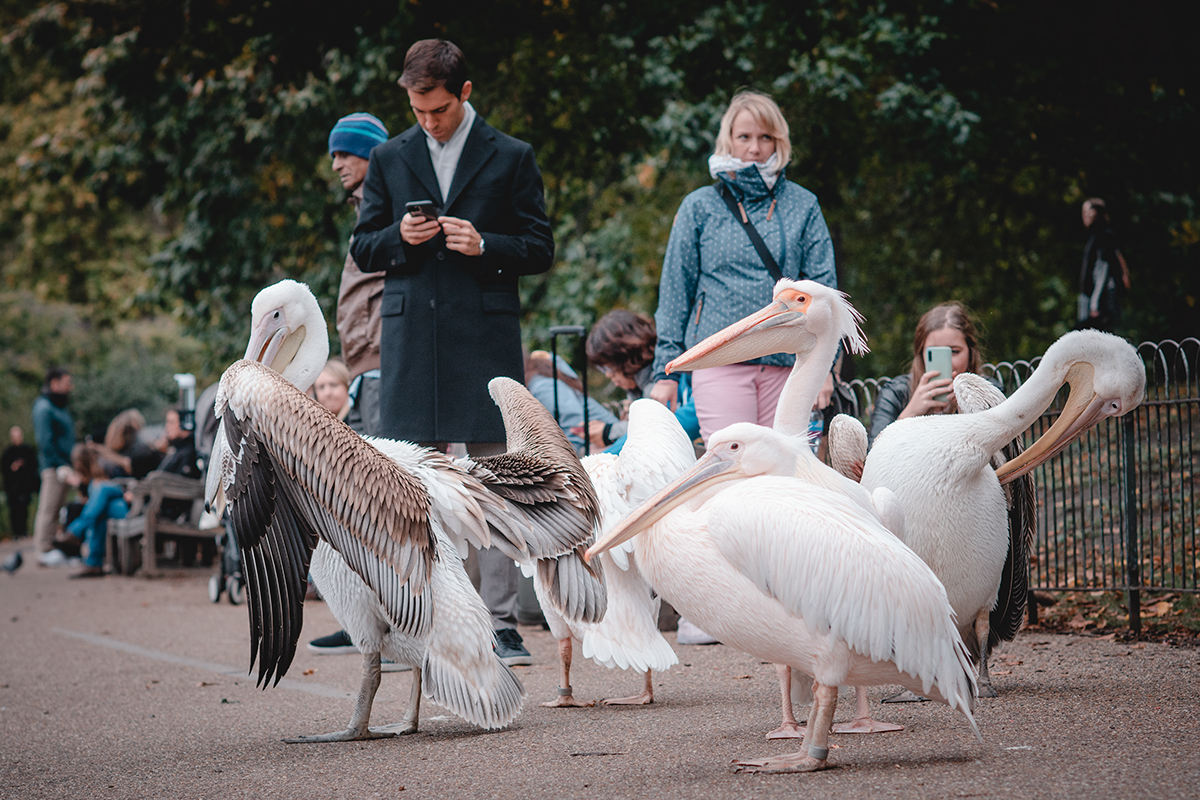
(105, 501)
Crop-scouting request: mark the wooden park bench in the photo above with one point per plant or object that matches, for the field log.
(153, 541)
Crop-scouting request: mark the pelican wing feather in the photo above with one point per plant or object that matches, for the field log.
(828, 561)
(288, 464)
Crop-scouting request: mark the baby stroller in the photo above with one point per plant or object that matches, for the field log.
(227, 578)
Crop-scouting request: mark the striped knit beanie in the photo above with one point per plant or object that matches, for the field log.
(356, 134)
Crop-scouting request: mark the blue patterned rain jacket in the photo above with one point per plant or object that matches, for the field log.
(712, 276)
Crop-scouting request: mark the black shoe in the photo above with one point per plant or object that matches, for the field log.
(510, 648)
(334, 644)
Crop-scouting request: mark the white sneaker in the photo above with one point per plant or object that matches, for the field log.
(52, 558)
(690, 634)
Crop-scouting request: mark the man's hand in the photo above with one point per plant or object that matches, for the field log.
(461, 235)
(416, 230)
(666, 392)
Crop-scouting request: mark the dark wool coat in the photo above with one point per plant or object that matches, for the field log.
(451, 322)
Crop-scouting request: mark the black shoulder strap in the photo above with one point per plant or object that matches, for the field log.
(756, 240)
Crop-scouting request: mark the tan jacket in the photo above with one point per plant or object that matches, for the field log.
(358, 321)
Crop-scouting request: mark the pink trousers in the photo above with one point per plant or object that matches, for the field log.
(737, 393)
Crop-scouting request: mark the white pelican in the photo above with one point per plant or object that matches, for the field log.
(940, 466)
(656, 452)
(808, 320)
(799, 575)
(383, 517)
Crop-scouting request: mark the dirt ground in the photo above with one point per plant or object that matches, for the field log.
(134, 688)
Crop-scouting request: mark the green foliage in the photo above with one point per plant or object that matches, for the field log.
(170, 158)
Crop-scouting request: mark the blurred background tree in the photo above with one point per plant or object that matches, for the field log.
(160, 163)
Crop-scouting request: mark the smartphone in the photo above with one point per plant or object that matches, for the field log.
(422, 208)
(937, 359)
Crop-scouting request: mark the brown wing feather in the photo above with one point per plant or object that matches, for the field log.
(363, 494)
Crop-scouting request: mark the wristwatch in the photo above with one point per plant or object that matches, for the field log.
(481, 246)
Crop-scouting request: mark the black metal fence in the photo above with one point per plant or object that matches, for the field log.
(1117, 510)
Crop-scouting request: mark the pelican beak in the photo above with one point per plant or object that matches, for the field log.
(760, 334)
(273, 342)
(711, 468)
(1084, 408)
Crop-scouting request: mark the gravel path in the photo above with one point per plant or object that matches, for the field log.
(130, 688)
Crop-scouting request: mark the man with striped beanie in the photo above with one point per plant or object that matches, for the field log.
(358, 322)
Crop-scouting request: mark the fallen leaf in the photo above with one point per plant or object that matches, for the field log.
(742, 677)
(1108, 638)
(205, 683)
(1077, 621)
(1002, 672)
(1158, 609)
(1138, 646)
(308, 672)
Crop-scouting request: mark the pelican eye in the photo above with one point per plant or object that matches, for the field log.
(734, 446)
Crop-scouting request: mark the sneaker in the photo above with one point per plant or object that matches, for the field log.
(510, 648)
(335, 644)
(52, 558)
(690, 634)
(387, 665)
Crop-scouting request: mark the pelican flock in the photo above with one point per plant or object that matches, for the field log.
(932, 477)
(386, 521)
(896, 566)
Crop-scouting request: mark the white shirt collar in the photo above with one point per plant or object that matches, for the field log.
(445, 156)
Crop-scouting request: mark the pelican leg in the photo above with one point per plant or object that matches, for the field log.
(413, 716)
(982, 631)
(643, 699)
(565, 698)
(359, 723)
(789, 728)
(816, 755)
(862, 722)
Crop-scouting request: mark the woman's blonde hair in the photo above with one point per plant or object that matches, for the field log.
(337, 368)
(765, 113)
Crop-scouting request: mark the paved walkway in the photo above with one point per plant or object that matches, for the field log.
(131, 688)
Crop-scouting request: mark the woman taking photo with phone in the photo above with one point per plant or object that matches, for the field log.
(922, 391)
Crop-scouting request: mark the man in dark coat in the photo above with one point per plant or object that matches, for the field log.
(451, 311)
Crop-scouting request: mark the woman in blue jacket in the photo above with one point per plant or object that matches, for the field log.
(713, 275)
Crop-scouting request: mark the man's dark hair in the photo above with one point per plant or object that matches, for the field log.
(54, 373)
(431, 63)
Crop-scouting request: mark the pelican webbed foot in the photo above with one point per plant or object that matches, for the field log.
(866, 725)
(566, 699)
(644, 698)
(348, 735)
(985, 690)
(785, 763)
(788, 730)
(862, 721)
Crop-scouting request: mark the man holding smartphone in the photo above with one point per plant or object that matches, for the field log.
(451, 310)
